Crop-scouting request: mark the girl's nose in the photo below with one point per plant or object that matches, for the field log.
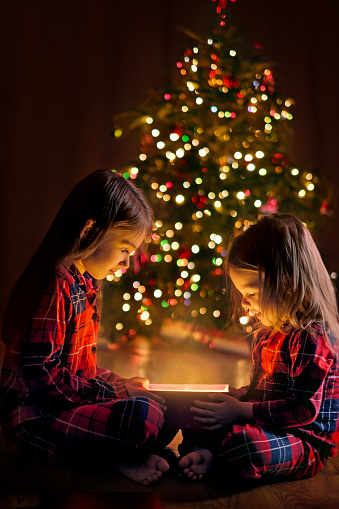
(245, 302)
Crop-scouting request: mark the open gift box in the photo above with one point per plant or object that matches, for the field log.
(179, 399)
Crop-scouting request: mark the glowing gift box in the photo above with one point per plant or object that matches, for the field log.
(179, 399)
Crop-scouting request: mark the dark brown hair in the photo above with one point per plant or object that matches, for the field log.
(105, 197)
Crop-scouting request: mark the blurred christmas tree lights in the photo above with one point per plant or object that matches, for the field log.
(214, 155)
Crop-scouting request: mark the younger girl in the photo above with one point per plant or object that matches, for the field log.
(56, 403)
(285, 423)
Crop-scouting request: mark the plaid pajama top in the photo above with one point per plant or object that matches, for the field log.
(56, 368)
(295, 386)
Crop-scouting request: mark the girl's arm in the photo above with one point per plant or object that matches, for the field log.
(55, 359)
(310, 363)
(108, 376)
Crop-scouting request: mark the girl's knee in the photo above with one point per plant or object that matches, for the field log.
(136, 421)
(243, 452)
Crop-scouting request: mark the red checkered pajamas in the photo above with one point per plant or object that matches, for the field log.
(294, 389)
(55, 401)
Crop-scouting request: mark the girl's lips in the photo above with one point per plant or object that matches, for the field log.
(254, 313)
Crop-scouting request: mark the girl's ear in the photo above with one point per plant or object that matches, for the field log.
(87, 228)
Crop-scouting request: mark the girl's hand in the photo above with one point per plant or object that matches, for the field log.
(237, 393)
(138, 386)
(226, 410)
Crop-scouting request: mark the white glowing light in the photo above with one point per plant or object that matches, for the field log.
(203, 152)
(160, 144)
(243, 320)
(174, 136)
(180, 198)
(259, 154)
(157, 293)
(195, 249)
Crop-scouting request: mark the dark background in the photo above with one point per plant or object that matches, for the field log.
(68, 66)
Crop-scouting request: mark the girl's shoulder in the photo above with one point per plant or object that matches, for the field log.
(316, 336)
(77, 283)
(70, 275)
(65, 277)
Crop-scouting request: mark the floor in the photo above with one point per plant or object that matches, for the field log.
(162, 362)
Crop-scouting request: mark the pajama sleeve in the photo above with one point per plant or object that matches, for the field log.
(59, 361)
(310, 360)
(106, 375)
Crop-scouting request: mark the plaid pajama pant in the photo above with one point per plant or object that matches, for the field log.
(251, 452)
(92, 432)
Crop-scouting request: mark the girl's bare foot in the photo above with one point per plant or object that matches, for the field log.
(197, 463)
(143, 471)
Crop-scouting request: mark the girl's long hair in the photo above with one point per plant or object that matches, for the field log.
(105, 197)
(294, 283)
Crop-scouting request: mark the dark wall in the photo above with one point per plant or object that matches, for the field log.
(68, 66)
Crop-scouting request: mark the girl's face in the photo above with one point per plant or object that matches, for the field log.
(247, 283)
(112, 254)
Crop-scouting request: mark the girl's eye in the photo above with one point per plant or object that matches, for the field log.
(125, 251)
(252, 294)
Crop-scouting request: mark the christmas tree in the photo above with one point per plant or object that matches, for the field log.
(214, 156)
